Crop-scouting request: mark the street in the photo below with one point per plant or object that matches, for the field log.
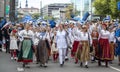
(8, 65)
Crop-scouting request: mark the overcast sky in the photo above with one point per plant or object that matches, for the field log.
(36, 3)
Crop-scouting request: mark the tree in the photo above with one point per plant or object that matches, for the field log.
(113, 7)
(106, 7)
(69, 11)
(36, 15)
(102, 7)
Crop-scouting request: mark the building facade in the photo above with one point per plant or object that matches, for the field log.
(54, 9)
(2, 10)
(83, 6)
(31, 10)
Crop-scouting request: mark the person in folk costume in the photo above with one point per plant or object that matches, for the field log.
(61, 44)
(75, 42)
(19, 38)
(112, 41)
(104, 46)
(83, 49)
(35, 41)
(94, 36)
(42, 49)
(54, 49)
(117, 49)
(13, 44)
(48, 40)
(26, 52)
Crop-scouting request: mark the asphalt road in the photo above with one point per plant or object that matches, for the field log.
(8, 65)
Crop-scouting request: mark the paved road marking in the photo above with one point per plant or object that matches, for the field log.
(114, 68)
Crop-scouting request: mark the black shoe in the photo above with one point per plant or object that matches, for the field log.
(61, 65)
(118, 64)
(66, 59)
(81, 64)
(41, 65)
(86, 66)
(45, 66)
(23, 65)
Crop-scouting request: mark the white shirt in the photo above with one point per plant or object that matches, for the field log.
(112, 37)
(61, 39)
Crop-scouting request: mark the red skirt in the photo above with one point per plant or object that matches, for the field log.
(95, 46)
(104, 49)
(74, 49)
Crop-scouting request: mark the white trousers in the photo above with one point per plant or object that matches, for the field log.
(62, 54)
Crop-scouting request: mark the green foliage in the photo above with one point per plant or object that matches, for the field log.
(106, 7)
(36, 15)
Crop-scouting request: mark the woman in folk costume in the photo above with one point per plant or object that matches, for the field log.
(26, 52)
(42, 50)
(117, 50)
(83, 49)
(13, 44)
(76, 42)
(112, 41)
(104, 46)
(94, 36)
(54, 49)
(61, 44)
(48, 40)
(35, 41)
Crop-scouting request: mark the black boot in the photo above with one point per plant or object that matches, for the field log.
(23, 65)
(86, 66)
(99, 63)
(81, 64)
(106, 63)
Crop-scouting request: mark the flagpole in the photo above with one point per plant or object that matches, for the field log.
(41, 8)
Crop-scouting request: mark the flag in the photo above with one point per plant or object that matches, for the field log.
(86, 15)
(52, 23)
(2, 23)
(118, 5)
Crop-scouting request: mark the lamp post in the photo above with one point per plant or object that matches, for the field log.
(41, 8)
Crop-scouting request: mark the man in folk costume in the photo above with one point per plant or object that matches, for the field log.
(104, 46)
(117, 50)
(83, 49)
(26, 52)
(42, 49)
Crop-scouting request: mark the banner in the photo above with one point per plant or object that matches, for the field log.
(86, 15)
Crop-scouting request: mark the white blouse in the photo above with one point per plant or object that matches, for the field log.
(112, 37)
(104, 34)
(85, 37)
(26, 34)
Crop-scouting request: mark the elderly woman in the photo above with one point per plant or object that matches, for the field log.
(42, 51)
